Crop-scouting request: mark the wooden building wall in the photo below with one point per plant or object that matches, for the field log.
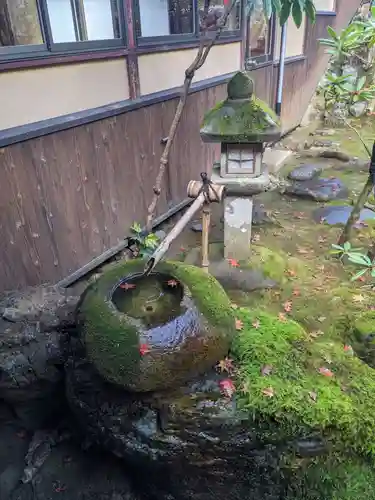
(68, 196)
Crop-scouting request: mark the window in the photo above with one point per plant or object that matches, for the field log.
(215, 9)
(37, 26)
(83, 20)
(258, 36)
(161, 18)
(20, 27)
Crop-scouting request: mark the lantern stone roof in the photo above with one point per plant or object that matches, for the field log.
(241, 117)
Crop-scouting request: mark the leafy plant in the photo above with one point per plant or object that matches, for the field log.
(367, 29)
(335, 90)
(146, 242)
(284, 8)
(357, 91)
(342, 46)
(356, 257)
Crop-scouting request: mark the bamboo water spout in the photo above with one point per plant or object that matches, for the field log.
(204, 192)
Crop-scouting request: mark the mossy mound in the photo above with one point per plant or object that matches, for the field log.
(304, 384)
(276, 264)
(129, 354)
(334, 478)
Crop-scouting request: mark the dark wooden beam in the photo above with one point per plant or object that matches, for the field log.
(132, 58)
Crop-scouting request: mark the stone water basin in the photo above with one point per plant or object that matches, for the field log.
(146, 333)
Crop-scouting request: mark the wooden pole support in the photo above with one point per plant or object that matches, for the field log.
(206, 218)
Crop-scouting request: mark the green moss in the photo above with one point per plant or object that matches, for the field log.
(276, 264)
(245, 120)
(334, 478)
(344, 410)
(112, 339)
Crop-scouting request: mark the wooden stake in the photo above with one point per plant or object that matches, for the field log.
(206, 218)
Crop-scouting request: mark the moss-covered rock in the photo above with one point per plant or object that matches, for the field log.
(308, 385)
(335, 477)
(276, 264)
(128, 352)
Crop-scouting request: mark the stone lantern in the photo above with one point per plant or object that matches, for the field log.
(242, 124)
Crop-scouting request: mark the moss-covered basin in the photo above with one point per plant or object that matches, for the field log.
(151, 333)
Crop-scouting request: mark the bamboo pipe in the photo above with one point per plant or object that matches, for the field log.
(214, 193)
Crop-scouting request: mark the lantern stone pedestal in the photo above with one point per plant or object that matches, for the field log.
(242, 124)
(238, 211)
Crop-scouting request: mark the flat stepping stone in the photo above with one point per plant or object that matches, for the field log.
(305, 172)
(340, 214)
(235, 278)
(318, 189)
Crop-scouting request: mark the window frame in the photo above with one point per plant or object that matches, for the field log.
(171, 41)
(51, 49)
(251, 63)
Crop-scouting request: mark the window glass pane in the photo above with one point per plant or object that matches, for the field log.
(82, 20)
(258, 32)
(102, 21)
(19, 23)
(165, 17)
(215, 9)
(61, 18)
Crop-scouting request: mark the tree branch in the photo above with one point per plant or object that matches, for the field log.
(202, 54)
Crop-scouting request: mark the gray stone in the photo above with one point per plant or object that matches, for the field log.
(160, 234)
(234, 278)
(325, 132)
(358, 109)
(50, 306)
(318, 189)
(190, 443)
(305, 172)
(196, 226)
(340, 215)
(237, 227)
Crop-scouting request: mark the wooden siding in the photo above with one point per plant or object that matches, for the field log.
(67, 197)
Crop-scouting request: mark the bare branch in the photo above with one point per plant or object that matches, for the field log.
(202, 54)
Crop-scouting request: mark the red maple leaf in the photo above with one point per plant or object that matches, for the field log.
(144, 349)
(291, 273)
(288, 306)
(127, 286)
(326, 372)
(296, 292)
(227, 387)
(233, 263)
(172, 283)
(225, 365)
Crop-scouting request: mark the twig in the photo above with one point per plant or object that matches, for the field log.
(200, 59)
(348, 124)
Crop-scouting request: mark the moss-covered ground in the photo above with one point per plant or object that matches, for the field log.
(305, 351)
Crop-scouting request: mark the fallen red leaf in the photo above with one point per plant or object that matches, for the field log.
(239, 324)
(269, 392)
(172, 283)
(128, 286)
(233, 263)
(227, 387)
(288, 306)
(182, 249)
(290, 272)
(225, 365)
(296, 293)
(144, 349)
(326, 372)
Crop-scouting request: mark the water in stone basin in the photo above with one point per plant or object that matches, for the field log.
(155, 299)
